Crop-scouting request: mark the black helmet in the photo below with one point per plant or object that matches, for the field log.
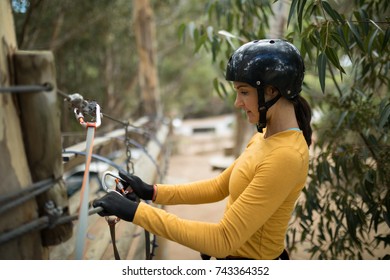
(273, 62)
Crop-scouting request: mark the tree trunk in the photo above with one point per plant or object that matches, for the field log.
(278, 20)
(145, 34)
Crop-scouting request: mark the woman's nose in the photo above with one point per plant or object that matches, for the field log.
(238, 102)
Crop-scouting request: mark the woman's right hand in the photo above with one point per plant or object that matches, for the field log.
(140, 188)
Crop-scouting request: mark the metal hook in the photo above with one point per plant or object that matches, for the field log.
(118, 181)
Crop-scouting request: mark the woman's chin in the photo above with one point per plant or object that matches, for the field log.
(251, 119)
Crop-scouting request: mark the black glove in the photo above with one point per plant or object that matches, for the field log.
(143, 190)
(128, 193)
(114, 204)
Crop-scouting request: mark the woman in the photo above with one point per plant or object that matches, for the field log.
(262, 185)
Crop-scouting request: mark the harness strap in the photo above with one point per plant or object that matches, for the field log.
(263, 107)
(83, 212)
(84, 196)
(147, 245)
(112, 222)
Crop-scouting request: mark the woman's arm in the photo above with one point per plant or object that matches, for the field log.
(205, 191)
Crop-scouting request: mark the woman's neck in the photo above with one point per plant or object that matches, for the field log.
(281, 117)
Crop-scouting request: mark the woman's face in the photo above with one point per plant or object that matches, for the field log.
(247, 100)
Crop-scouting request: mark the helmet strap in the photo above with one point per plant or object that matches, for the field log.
(263, 108)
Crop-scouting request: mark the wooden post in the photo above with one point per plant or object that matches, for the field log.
(14, 171)
(40, 121)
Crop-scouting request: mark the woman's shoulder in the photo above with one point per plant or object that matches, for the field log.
(255, 137)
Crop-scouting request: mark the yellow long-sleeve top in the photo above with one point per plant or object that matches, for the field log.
(262, 186)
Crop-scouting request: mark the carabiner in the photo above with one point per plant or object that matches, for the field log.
(118, 183)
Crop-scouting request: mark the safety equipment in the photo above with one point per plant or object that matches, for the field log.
(92, 109)
(115, 204)
(268, 62)
(274, 62)
(141, 189)
(121, 186)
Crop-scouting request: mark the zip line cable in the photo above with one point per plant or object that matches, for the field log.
(26, 88)
(41, 223)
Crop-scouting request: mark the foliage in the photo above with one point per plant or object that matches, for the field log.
(345, 209)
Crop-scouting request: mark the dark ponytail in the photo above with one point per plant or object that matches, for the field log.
(303, 115)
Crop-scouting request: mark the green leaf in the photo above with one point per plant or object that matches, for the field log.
(343, 34)
(292, 11)
(230, 21)
(386, 39)
(384, 116)
(216, 87)
(300, 9)
(181, 31)
(225, 92)
(330, 11)
(332, 56)
(321, 64)
(386, 214)
(343, 164)
(371, 41)
(215, 47)
(341, 119)
(356, 34)
(200, 41)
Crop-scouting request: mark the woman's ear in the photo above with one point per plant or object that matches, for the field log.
(271, 91)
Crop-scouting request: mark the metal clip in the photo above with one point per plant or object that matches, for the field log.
(118, 183)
